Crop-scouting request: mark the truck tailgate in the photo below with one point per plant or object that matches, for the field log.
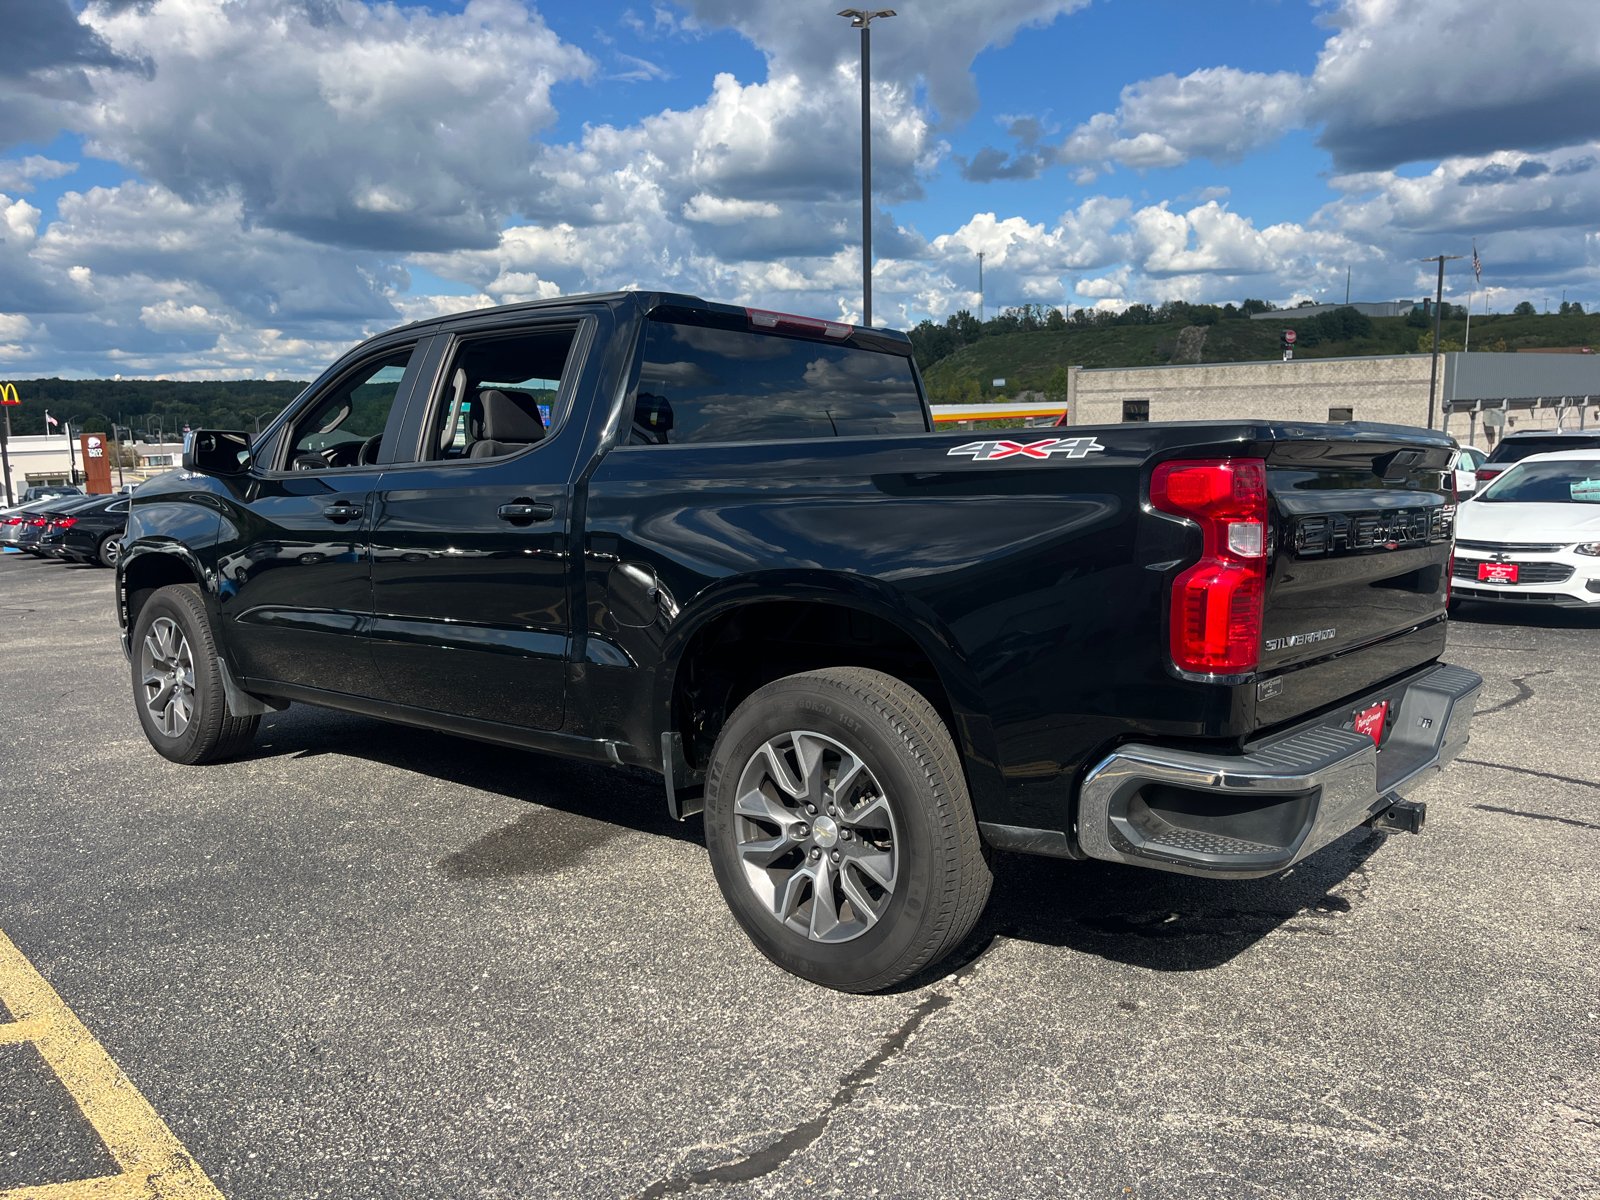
(1357, 586)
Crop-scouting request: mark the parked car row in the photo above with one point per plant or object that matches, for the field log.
(1515, 447)
(1531, 534)
(71, 527)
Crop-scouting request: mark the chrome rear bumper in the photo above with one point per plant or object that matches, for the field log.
(1286, 797)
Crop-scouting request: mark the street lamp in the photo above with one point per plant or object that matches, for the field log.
(1438, 298)
(861, 19)
(271, 412)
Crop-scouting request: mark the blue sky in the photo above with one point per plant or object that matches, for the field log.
(239, 188)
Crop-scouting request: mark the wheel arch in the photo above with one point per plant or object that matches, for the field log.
(144, 569)
(865, 623)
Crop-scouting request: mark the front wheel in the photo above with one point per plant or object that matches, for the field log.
(840, 829)
(177, 686)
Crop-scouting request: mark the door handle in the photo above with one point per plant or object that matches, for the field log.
(340, 513)
(526, 513)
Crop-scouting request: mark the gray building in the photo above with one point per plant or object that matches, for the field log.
(1381, 308)
(1389, 389)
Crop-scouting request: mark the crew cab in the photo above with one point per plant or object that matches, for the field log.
(727, 545)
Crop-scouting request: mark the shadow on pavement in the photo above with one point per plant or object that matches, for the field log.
(581, 805)
(1533, 616)
(1144, 918)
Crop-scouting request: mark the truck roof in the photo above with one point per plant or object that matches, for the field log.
(647, 300)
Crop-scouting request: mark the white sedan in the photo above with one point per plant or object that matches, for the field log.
(1532, 535)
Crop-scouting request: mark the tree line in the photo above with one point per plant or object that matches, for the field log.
(933, 341)
(153, 408)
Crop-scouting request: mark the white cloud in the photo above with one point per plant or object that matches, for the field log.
(170, 317)
(355, 124)
(1404, 82)
(714, 210)
(933, 41)
(17, 175)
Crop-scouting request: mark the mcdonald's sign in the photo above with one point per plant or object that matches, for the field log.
(8, 394)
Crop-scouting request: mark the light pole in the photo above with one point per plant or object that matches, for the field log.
(980, 287)
(861, 19)
(271, 412)
(1438, 298)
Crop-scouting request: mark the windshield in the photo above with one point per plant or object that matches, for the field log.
(1515, 449)
(1546, 483)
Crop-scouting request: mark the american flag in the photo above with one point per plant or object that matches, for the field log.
(1477, 267)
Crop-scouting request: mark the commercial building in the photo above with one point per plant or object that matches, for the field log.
(1535, 391)
(1382, 308)
(41, 459)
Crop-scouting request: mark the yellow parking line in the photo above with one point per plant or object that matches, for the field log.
(154, 1164)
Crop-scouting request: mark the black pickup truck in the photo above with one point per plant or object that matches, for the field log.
(727, 545)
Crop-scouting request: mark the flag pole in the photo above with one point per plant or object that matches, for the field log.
(1477, 276)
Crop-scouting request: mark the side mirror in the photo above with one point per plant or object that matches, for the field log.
(216, 452)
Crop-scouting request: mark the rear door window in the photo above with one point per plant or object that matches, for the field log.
(700, 384)
(501, 394)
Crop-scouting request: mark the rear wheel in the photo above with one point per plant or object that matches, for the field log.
(108, 550)
(840, 829)
(177, 687)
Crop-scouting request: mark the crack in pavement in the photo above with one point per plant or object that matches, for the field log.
(803, 1136)
(1524, 692)
(1478, 762)
(1515, 812)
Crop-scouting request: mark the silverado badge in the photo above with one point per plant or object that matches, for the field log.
(1077, 447)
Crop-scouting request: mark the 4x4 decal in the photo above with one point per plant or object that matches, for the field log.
(1077, 447)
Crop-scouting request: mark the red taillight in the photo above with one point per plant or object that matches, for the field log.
(1484, 474)
(760, 318)
(41, 522)
(64, 522)
(1216, 604)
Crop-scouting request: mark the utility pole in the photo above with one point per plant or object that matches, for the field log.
(980, 287)
(861, 19)
(1438, 299)
(72, 458)
(1347, 283)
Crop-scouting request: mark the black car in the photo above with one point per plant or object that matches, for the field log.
(729, 546)
(49, 491)
(1515, 447)
(91, 533)
(42, 520)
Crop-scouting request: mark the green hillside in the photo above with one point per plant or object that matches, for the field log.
(1027, 360)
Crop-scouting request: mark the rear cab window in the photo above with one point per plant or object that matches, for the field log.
(709, 377)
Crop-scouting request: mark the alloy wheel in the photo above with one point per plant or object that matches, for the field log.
(816, 837)
(166, 669)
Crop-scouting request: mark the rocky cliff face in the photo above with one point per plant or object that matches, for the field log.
(1191, 342)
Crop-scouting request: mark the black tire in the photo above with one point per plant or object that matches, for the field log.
(941, 870)
(210, 732)
(107, 551)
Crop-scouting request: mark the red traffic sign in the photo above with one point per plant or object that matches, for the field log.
(8, 394)
(1288, 336)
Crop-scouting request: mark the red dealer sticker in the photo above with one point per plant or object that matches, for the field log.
(1370, 722)
(1497, 572)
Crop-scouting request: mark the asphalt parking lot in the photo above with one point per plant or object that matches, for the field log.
(369, 962)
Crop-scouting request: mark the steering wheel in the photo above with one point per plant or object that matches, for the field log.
(369, 450)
